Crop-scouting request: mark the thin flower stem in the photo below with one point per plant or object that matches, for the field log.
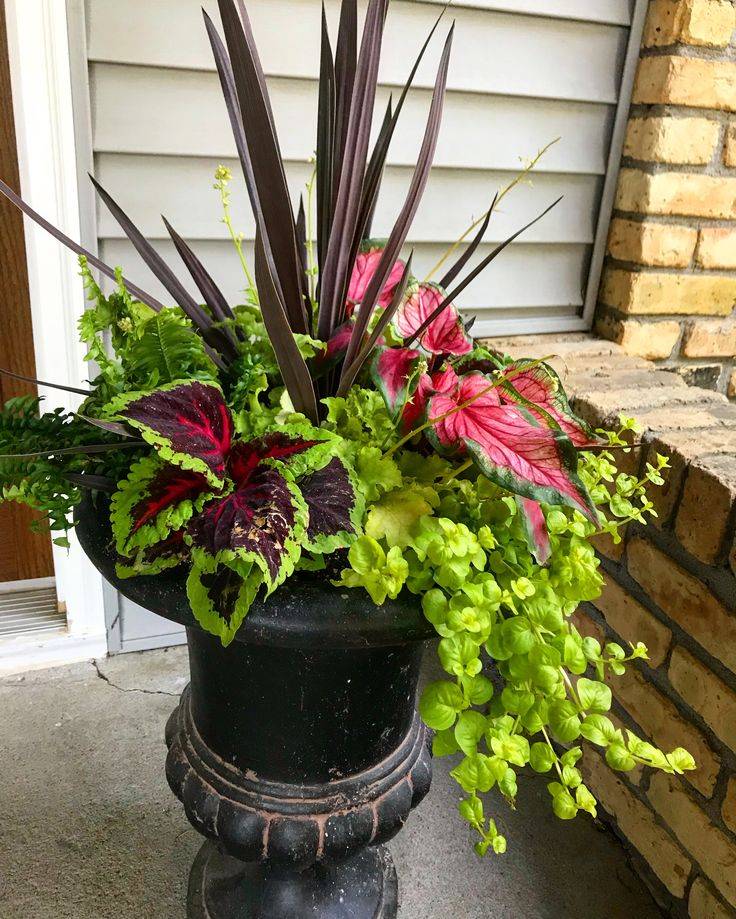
(222, 177)
(456, 472)
(519, 178)
(311, 267)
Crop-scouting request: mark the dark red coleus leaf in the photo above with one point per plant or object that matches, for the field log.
(245, 456)
(223, 587)
(257, 519)
(515, 452)
(171, 485)
(150, 560)
(393, 371)
(531, 384)
(331, 500)
(188, 423)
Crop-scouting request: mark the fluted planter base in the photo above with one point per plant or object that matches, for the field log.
(221, 887)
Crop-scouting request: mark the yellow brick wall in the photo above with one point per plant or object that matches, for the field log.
(672, 246)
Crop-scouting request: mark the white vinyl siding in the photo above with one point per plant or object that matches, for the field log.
(522, 74)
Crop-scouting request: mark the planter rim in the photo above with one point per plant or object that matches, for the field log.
(304, 612)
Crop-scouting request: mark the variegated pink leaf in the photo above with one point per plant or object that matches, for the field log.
(519, 455)
(535, 529)
(444, 335)
(441, 381)
(335, 349)
(364, 269)
(393, 370)
(531, 384)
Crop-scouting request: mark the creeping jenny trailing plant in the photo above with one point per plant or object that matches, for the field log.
(341, 418)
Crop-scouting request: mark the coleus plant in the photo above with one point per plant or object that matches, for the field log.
(344, 417)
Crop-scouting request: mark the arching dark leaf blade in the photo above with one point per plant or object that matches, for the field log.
(450, 276)
(137, 292)
(274, 215)
(477, 270)
(325, 143)
(350, 176)
(403, 223)
(20, 376)
(292, 365)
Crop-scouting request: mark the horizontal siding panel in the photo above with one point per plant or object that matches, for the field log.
(142, 110)
(495, 52)
(614, 12)
(524, 276)
(181, 188)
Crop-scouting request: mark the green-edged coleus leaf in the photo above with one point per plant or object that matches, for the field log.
(335, 507)
(262, 521)
(155, 500)
(535, 529)
(394, 371)
(220, 595)
(507, 443)
(538, 388)
(188, 424)
(147, 560)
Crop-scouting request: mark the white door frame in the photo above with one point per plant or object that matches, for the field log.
(38, 47)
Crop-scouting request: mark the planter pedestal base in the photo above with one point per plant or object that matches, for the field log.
(363, 887)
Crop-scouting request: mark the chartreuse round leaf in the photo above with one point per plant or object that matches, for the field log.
(469, 730)
(478, 689)
(619, 758)
(542, 757)
(459, 655)
(594, 696)
(473, 774)
(444, 743)
(681, 760)
(598, 730)
(440, 704)
(564, 721)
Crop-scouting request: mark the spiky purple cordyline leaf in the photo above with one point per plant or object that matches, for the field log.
(351, 172)
(401, 228)
(275, 215)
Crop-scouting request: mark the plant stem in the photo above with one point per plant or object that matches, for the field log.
(311, 267)
(524, 172)
(456, 472)
(222, 179)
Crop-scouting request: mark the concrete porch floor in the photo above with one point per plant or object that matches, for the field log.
(90, 830)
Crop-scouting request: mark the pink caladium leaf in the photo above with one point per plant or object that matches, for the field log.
(441, 381)
(508, 445)
(535, 529)
(444, 335)
(538, 388)
(335, 507)
(259, 523)
(394, 371)
(335, 349)
(189, 424)
(364, 269)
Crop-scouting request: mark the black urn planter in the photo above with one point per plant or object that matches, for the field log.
(297, 751)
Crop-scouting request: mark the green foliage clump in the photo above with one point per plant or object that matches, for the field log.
(523, 686)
